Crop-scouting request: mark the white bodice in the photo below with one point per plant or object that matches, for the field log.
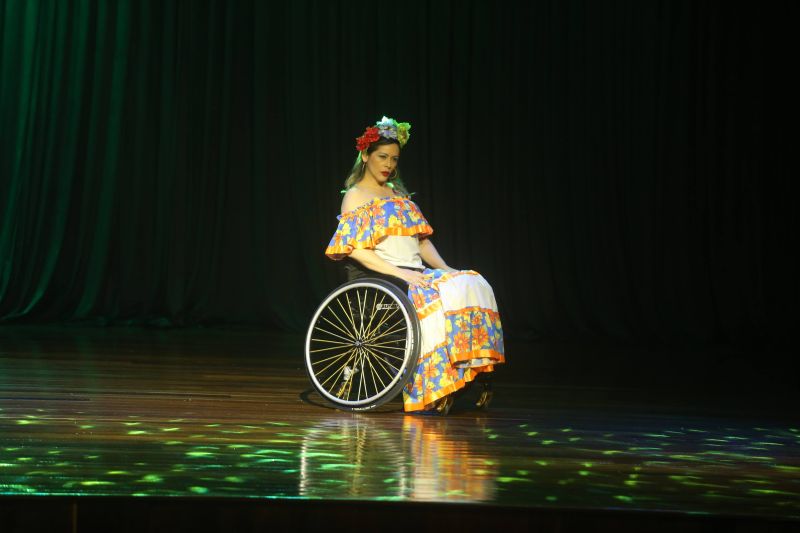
(400, 250)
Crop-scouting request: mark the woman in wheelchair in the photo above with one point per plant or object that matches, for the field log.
(381, 229)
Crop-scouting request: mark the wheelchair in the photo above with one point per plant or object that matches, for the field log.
(363, 342)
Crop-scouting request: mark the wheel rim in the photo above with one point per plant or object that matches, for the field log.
(359, 344)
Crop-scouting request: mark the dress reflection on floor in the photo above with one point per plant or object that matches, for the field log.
(367, 457)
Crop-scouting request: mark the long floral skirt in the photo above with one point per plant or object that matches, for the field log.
(461, 335)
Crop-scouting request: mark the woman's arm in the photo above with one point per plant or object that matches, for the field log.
(431, 256)
(370, 259)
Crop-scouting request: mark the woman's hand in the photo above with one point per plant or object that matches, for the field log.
(412, 277)
(370, 260)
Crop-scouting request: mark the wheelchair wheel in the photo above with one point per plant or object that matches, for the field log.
(363, 344)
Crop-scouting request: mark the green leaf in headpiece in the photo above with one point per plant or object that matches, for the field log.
(403, 132)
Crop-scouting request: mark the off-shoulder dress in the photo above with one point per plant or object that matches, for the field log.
(460, 326)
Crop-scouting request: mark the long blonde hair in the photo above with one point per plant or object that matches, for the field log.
(359, 168)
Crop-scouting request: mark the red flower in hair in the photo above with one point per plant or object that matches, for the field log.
(370, 136)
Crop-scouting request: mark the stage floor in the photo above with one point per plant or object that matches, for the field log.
(228, 413)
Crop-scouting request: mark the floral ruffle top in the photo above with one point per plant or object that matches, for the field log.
(366, 225)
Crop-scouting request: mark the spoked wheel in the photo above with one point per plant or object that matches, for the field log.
(363, 344)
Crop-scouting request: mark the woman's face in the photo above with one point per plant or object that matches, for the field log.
(382, 162)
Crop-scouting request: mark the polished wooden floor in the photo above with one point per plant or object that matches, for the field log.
(227, 415)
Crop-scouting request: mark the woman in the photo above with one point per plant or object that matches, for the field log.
(382, 229)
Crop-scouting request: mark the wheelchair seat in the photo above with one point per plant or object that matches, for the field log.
(353, 270)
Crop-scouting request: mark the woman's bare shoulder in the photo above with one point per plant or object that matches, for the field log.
(355, 198)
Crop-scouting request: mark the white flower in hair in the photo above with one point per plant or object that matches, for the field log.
(387, 128)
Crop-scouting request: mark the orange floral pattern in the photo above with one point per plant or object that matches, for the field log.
(367, 225)
(470, 333)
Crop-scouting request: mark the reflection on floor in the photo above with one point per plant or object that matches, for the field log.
(227, 413)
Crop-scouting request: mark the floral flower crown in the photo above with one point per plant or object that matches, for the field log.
(388, 128)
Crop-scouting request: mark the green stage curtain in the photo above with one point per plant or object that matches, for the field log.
(178, 163)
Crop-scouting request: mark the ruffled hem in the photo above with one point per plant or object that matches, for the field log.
(340, 251)
(463, 357)
(436, 376)
(430, 399)
(367, 225)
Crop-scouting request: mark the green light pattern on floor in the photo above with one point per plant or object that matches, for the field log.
(619, 462)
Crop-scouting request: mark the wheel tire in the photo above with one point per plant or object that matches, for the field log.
(362, 345)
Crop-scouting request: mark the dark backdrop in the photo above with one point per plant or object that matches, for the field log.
(168, 162)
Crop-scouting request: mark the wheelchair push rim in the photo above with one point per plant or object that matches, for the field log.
(362, 345)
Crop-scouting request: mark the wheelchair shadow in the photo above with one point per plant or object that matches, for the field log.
(311, 397)
(305, 397)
